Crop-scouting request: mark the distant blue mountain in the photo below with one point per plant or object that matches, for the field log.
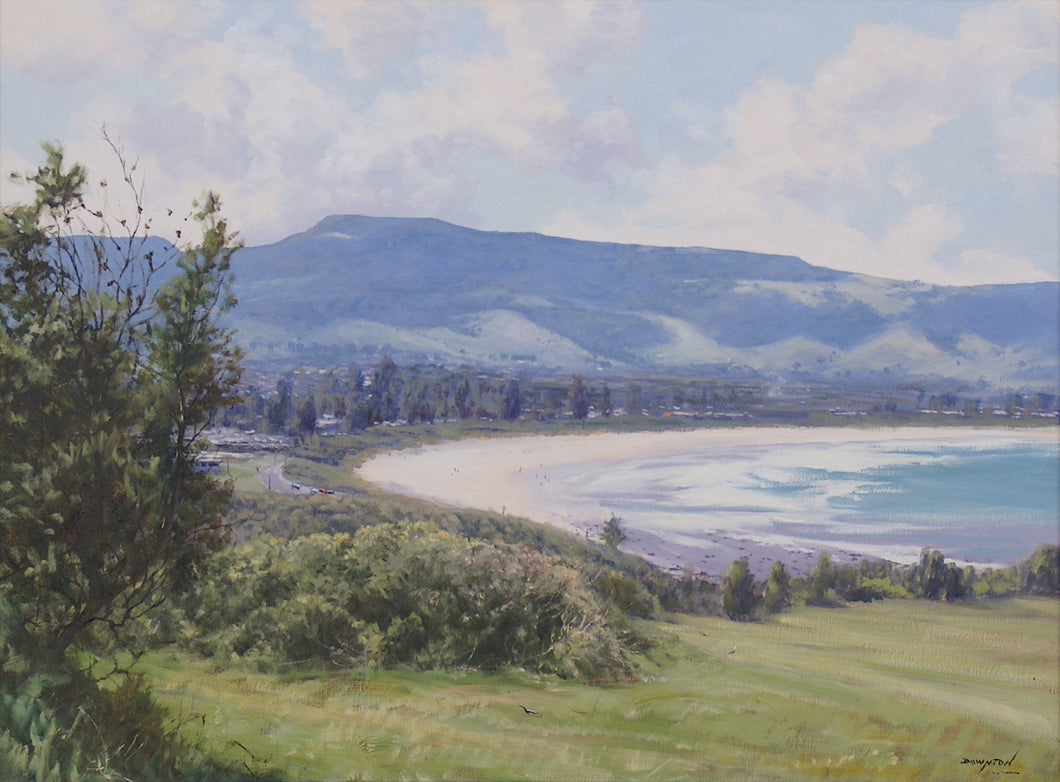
(421, 290)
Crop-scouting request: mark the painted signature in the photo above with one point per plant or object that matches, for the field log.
(997, 765)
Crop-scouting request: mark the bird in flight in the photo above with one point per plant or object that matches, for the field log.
(528, 711)
(733, 650)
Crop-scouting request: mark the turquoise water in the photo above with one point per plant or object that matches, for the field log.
(976, 504)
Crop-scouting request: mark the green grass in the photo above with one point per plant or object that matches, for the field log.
(310, 473)
(244, 469)
(893, 690)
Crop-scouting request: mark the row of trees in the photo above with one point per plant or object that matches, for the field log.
(354, 399)
(390, 394)
(931, 578)
(739, 595)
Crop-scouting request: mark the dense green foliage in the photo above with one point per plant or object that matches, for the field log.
(1040, 573)
(108, 376)
(59, 723)
(106, 382)
(403, 594)
(631, 582)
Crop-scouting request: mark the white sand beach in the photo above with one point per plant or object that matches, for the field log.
(543, 478)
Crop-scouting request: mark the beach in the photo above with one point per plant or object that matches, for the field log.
(577, 481)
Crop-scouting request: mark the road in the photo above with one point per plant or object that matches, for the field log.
(273, 480)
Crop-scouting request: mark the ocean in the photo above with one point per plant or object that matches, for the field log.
(988, 505)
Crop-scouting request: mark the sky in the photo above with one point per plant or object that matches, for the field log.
(908, 140)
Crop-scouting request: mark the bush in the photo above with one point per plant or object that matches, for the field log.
(34, 742)
(624, 592)
(405, 594)
(613, 533)
(62, 725)
(1040, 573)
(870, 589)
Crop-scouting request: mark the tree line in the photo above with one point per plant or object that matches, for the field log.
(301, 402)
(412, 395)
(931, 578)
(354, 399)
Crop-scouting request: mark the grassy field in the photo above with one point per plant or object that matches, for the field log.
(244, 469)
(892, 690)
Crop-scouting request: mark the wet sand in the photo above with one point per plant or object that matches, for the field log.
(530, 477)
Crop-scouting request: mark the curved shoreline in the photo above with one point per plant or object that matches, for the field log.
(526, 476)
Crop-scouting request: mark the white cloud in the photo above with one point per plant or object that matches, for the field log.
(715, 203)
(70, 41)
(796, 153)
(409, 108)
(242, 112)
(1030, 133)
(889, 90)
(566, 35)
(13, 161)
(372, 37)
(981, 265)
(505, 100)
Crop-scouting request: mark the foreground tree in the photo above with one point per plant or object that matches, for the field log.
(107, 381)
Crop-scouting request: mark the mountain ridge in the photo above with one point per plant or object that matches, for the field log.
(422, 290)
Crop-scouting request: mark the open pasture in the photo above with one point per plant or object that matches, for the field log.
(893, 690)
